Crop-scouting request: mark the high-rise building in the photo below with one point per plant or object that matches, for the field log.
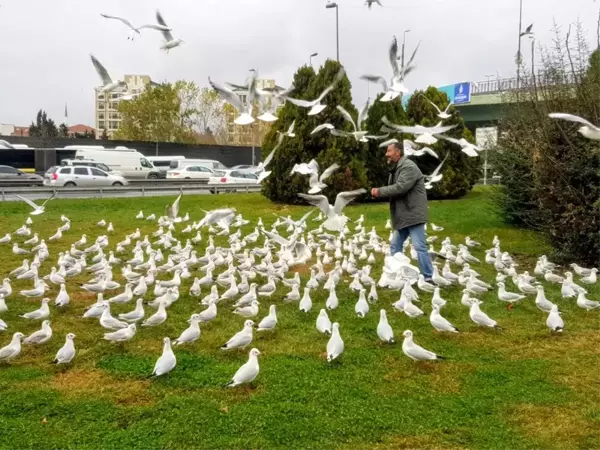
(247, 134)
(107, 104)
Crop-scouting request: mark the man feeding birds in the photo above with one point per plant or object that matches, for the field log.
(408, 205)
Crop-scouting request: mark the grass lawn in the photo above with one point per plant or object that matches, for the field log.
(516, 388)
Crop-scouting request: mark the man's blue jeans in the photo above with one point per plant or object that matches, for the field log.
(417, 236)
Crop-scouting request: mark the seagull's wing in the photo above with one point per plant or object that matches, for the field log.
(166, 33)
(304, 217)
(300, 102)
(393, 54)
(26, 200)
(328, 89)
(376, 79)
(313, 166)
(343, 198)
(327, 172)
(432, 104)
(347, 116)
(101, 71)
(228, 95)
(153, 26)
(47, 200)
(439, 167)
(291, 128)
(320, 201)
(340, 133)
(420, 353)
(363, 115)
(408, 67)
(245, 373)
(571, 118)
(175, 207)
(313, 179)
(120, 19)
(323, 126)
(270, 156)
(276, 238)
(449, 139)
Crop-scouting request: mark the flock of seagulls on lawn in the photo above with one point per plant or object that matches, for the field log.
(180, 262)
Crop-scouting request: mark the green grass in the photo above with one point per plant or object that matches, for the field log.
(517, 388)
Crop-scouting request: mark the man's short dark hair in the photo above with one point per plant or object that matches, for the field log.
(398, 146)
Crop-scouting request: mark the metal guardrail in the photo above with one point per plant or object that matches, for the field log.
(141, 182)
(107, 191)
(526, 81)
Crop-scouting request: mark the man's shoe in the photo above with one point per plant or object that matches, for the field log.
(429, 280)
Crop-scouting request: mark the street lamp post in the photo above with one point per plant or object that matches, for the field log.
(519, 47)
(311, 57)
(337, 27)
(403, 44)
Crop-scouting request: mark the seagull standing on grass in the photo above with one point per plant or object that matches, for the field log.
(166, 362)
(416, 352)
(248, 372)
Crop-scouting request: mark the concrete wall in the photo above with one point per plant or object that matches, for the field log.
(228, 155)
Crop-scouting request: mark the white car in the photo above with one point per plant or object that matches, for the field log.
(81, 176)
(234, 177)
(191, 173)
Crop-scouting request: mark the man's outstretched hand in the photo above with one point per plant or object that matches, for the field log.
(375, 192)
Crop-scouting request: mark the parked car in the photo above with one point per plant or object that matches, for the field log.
(88, 163)
(129, 162)
(191, 173)
(8, 173)
(244, 167)
(163, 163)
(232, 177)
(68, 176)
(210, 163)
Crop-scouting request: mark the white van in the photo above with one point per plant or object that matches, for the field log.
(210, 163)
(163, 163)
(131, 163)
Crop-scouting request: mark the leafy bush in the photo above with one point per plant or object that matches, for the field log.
(550, 172)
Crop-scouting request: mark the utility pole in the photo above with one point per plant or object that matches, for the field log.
(519, 47)
(337, 27)
(403, 44)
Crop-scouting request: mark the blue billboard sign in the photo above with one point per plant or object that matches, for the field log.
(462, 93)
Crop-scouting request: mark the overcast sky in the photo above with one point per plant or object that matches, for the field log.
(44, 55)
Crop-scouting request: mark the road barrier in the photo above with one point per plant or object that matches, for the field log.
(114, 191)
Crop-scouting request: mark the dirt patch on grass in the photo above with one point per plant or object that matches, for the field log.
(92, 383)
(555, 427)
(303, 269)
(421, 442)
(442, 377)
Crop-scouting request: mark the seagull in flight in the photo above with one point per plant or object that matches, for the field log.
(37, 210)
(358, 133)
(107, 83)
(588, 130)
(467, 147)
(527, 31)
(435, 176)
(424, 134)
(316, 182)
(335, 220)
(270, 100)
(441, 114)
(395, 88)
(136, 29)
(245, 110)
(369, 3)
(170, 42)
(315, 105)
(410, 148)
